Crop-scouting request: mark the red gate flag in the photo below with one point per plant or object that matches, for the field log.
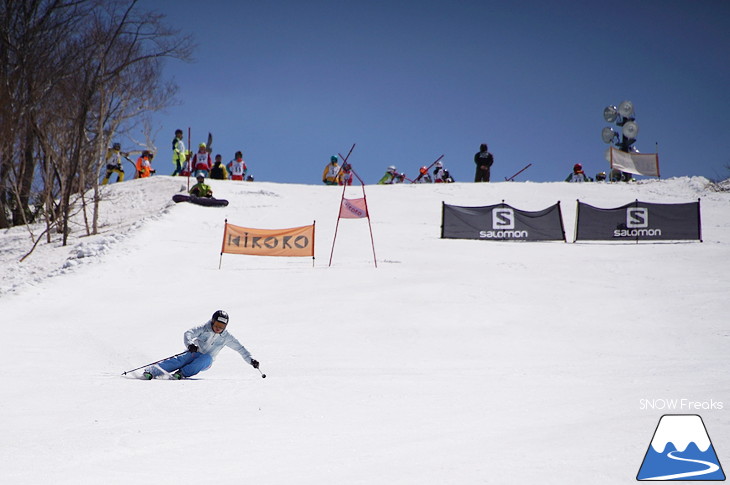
(353, 209)
(296, 241)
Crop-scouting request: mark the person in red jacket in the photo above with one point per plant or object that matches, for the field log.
(201, 161)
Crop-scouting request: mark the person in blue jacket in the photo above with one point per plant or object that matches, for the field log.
(203, 344)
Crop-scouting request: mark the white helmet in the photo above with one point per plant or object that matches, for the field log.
(392, 168)
(439, 164)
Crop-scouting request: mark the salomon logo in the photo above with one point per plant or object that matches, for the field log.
(503, 219)
(637, 217)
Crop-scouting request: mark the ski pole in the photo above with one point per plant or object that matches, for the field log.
(515, 175)
(263, 376)
(153, 363)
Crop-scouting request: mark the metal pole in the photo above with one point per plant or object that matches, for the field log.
(367, 211)
(338, 223)
(153, 363)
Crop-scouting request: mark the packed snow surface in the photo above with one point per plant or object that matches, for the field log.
(453, 361)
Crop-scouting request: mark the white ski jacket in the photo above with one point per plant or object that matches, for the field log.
(211, 343)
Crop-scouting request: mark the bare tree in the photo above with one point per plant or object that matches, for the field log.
(73, 74)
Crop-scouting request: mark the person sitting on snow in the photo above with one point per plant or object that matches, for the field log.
(438, 172)
(577, 175)
(390, 177)
(346, 174)
(423, 176)
(201, 189)
(446, 177)
(203, 343)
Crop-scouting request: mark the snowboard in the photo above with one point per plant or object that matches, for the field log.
(204, 201)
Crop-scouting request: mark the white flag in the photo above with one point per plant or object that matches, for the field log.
(639, 163)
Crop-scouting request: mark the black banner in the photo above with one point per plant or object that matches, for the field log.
(639, 221)
(502, 222)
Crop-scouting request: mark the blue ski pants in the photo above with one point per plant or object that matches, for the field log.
(189, 364)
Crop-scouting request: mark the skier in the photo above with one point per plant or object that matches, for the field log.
(178, 152)
(144, 165)
(218, 172)
(423, 176)
(346, 174)
(483, 160)
(114, 163)
(201, 189)
(438, 172)
(331, 174)
(577, 175)
(237, 167)
(201, 161)
(203, 344)
(391, 176)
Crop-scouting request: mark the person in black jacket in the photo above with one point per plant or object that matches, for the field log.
(483, 160)
(218, 172)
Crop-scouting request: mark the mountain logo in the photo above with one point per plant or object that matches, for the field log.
(680, 450)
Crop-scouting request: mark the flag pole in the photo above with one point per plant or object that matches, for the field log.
(367, 211)
(337, 226)
(188, 157)
(223, 245)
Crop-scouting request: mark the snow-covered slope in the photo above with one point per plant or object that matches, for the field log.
(452, 362)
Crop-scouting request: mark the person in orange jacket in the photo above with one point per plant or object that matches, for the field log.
(144, 165)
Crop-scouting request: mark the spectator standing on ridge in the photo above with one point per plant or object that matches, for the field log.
(483, 160)
(237, 167)
(114, 163)
(201, 189)
(203, 343)
(178, 152)
(218, 172)
(201, 161)
(577, 175)
(144, 165)
(331, 174)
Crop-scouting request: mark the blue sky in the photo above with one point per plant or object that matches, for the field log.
(290, 83)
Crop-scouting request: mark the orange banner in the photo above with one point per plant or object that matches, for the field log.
(297, 241)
